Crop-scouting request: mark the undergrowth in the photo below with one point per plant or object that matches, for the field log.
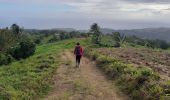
(139, 83)
(31, 78)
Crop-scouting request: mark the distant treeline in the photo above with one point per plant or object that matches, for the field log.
(157, 43)
(18, 43)
(54, 34)
(121, 39)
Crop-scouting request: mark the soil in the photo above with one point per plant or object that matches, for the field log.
(158, 60)
(84, 83)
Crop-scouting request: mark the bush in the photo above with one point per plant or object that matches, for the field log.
(53, 39)
(23, 50)
(5, 59)
(117, 44)
(37, 40)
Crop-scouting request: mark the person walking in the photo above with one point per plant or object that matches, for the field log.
(78, 52)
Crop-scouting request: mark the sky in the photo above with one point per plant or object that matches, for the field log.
(80, 14)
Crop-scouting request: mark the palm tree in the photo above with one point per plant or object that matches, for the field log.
(119, 38)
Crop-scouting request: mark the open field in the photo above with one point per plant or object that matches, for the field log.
(158, 60)
(139, 81)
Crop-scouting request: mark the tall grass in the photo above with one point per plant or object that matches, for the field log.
(30, 78)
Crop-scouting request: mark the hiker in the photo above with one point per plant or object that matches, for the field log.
(78, 51)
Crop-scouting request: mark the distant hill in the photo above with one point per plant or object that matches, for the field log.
(64, 29)
(150, 33)
(49, 31)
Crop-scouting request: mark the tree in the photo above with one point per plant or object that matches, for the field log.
(95, 30)
(23, 49)
(162, 44)
(119, 39)
(62, 35)
(73, 34)
(7, 39)
(15, 29)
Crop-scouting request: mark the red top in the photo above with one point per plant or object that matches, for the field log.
(78, 50)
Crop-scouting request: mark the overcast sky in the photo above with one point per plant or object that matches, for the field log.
(80, 14)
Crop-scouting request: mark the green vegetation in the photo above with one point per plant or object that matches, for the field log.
(7, 39)
(29, 59)
(140, 83)
(53, 35)
(162, 44)
(96, 34)
(119, 39)
(31, 77)
(14, 44)
(24, 49)
(17, 43)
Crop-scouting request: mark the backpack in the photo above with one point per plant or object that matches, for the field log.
(78, 50)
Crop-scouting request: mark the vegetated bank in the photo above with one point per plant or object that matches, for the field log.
(140, 83)
(28, 60)
(32, 77)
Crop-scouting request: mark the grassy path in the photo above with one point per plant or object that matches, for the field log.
(86, 83)
(30, 78)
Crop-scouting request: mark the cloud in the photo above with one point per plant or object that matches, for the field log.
(148, 1)
(75, 12)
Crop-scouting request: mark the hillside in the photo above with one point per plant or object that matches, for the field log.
(136, 72)
(51, 74)
(32, 77)
(148, 33)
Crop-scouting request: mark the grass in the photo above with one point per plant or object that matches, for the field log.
(139, 83)
(66, 96)
(107, 41)
(30, 78)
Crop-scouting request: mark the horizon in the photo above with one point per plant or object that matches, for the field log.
(87, 29)
(80, 14)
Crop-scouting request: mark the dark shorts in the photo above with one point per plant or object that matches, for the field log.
(78, 58)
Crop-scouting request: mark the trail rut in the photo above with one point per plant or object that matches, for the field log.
(84, 83)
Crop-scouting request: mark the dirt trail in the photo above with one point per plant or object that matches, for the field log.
(84, 83)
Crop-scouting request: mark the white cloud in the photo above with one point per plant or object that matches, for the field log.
(104, 11)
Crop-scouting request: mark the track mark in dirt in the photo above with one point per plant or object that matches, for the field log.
(84, 83)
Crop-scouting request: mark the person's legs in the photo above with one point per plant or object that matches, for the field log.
(79, 58)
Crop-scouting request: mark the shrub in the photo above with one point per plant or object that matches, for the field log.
(23, 50)
(53, 39)
(117, 44)
(5, 59)
(37, 40)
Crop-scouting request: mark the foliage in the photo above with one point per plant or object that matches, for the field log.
(7, 39)
(140, 83)
(15, 29)
(37, 40)
(24, 49)
(119, 38)
(30, 78)
(12, 43)
(148, 43)
(5, 59)
(95, 30)
(54, 39)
